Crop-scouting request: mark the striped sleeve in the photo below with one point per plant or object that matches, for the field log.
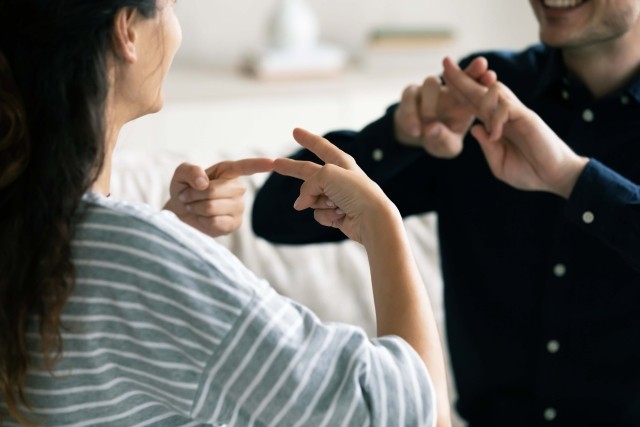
(279, 365)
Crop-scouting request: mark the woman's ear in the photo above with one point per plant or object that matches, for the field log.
(124, 34)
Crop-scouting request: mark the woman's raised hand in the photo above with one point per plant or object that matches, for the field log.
(339, 192)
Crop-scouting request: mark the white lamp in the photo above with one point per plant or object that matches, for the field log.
(293, 26)
(294, 50)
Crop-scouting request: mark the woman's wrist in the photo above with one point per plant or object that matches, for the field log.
(382, 221)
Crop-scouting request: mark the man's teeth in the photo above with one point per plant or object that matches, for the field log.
(563, 3)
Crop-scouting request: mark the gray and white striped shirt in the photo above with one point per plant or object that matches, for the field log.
(166, 327)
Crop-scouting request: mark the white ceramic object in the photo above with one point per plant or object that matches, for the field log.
(293, 26)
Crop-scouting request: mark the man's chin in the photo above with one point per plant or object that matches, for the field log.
(557, 41)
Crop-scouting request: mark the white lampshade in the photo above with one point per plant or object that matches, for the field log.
(293, 26)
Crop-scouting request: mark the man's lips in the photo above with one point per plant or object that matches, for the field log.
(562, 4)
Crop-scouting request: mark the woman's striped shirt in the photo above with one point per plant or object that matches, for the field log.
(166, 327)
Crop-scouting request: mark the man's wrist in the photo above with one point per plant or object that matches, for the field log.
(573, 171)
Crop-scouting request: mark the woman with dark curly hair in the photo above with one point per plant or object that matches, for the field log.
(116, 314)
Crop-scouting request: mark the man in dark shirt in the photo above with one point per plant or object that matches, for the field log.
(542, 293)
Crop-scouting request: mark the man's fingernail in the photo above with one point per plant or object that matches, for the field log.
(201, 182)
(182, 197)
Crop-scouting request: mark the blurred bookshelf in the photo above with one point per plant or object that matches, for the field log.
(393, 37)
(393, 47)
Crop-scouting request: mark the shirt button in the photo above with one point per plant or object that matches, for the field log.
(565, 94)
(559, 270)
(587, 115)
(588, 217)
(378, 154)
(624, 99)
(550, 414)
(553, 346)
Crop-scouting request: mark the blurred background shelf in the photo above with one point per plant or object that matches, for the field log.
(209, 109)
(211, 105)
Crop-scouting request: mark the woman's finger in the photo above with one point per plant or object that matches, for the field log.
(325, 150)
(218, 189)
(218, 207)
(295, 168)
(235, 168)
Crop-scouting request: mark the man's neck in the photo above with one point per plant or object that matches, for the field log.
(608, 66)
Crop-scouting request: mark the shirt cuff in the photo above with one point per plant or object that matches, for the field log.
(598, 198)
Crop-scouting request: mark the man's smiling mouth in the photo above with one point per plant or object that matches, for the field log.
(562, 4)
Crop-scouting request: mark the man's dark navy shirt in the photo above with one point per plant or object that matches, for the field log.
(542, 295)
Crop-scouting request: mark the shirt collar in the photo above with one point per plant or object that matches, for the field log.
(555, 75)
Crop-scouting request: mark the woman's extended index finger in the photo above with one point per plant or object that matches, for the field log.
(234, 168)
(325, 150)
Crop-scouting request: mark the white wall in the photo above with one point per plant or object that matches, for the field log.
(221, 32)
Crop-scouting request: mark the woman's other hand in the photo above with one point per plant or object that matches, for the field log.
(212, 200)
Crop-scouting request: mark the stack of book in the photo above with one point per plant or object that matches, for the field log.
(287, 64)
(401, 47)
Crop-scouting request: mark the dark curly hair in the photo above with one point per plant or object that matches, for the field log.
(53, 89)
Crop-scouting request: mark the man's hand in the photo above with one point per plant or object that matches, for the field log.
(519, 146)
(211, 200)
(436, 118)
